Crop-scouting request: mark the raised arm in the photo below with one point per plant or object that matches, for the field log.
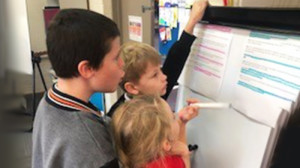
(196, 14)
(180, 50)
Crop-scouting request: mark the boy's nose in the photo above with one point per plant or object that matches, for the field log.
(164, 77)
(121, 63)
(122, 73)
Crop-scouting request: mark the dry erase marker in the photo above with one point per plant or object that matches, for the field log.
(211, 105)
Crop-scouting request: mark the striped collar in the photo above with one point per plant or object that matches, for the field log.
(127, 97)
(69, 103)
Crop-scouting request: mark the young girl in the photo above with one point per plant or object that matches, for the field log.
(146, 134)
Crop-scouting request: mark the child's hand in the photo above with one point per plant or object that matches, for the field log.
(196, 15)
(192, 100)
(197, 11)
(189, 112)
(179, 148)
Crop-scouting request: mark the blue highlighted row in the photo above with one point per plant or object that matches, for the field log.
(261, 91)
(272, 36)
(261, 75)
(272, 61)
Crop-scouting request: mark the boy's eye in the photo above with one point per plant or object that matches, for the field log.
(155, 74)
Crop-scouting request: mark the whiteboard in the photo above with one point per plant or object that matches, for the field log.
(227, 138)
(18, 47)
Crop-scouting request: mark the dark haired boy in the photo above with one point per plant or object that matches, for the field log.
(68, 130)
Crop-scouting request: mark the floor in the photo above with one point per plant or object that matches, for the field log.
(16, 145)
(21, 144)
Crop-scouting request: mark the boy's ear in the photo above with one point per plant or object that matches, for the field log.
(131, 88)
(84, 69)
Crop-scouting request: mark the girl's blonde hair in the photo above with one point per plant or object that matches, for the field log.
(140, 126)
(136, 57)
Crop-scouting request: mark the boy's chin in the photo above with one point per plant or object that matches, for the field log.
(163, 93)
(109, 90)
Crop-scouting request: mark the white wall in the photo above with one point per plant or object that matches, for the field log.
(82, 4)
(100, 6)
(37, 30)
(3, 39)
(52, 2)
(108, 8)
(97, 6)
(36, 24)
(18, 53)
(25, 31)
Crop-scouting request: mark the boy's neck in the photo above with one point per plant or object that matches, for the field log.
(74, 87)
(127, 96)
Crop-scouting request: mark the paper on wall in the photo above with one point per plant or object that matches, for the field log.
(135, 28)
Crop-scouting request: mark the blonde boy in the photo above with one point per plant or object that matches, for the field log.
(143, 74)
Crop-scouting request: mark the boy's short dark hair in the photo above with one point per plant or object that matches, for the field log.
(75, 35)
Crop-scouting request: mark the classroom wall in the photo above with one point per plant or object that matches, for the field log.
(82, 4)
(97, 6)
(22, 83)
(108, 8)
(36, 24)
(3, 40)
(52, 2)
(100, 6)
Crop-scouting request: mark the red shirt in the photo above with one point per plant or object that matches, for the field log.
(173, 161)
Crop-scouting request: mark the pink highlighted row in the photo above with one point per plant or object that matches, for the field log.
(206, 72)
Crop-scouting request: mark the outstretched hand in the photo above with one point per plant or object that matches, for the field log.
(189, 112)
(197, 11)
(196, 15)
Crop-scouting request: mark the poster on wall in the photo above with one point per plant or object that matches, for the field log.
(49, 13)
(135, 28)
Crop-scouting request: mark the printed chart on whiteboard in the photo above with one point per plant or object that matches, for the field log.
(269, 79)
(207, 61)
